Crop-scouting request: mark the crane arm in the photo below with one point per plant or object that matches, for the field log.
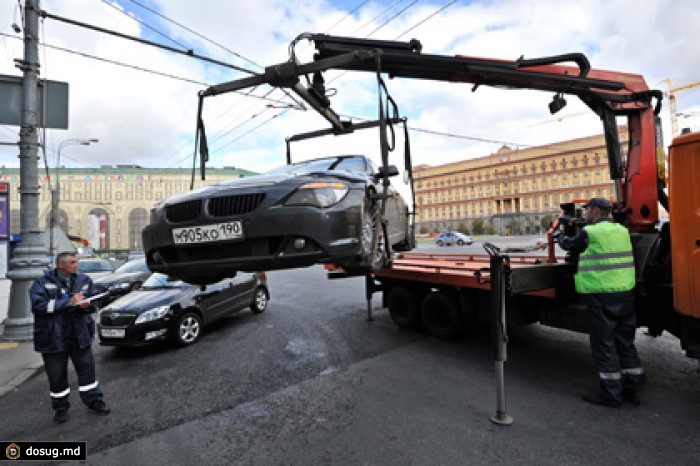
(608, 93)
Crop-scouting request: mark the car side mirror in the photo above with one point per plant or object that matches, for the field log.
(391, 170)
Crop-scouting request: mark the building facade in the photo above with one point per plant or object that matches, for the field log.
(108, 206)
(513, 191)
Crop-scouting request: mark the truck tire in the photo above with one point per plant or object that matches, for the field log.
(403, 307)
(441, 316)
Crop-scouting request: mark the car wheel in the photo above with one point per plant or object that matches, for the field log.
(372, 260)
(260, 301)
(188, 328)
(439, 243)
(460, 243)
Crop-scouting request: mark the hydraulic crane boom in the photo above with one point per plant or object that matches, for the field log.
(638, 176)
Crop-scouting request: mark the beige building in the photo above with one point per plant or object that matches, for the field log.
(109, 206)
(513, 190)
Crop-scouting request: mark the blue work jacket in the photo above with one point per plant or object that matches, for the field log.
(50, 306)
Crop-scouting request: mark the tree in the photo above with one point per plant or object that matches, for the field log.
(424, 229)
(546, 221)
(478, 227)
(463, 228)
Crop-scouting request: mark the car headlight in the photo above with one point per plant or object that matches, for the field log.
(152, 314)
(319, 194)
(120, 286)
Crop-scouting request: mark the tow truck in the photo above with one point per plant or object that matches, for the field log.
(443, 292)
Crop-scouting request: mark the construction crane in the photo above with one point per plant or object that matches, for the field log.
(672, 102)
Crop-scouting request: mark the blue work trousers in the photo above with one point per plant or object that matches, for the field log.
(56, 366)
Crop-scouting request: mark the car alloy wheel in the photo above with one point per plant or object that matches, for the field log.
(189, 327)
(439, 243)
(370, 223)
(260, 302)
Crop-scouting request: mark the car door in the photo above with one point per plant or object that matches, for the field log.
(216, 300)
(242, 289)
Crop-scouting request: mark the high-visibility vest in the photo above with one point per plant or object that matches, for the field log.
(607, 264)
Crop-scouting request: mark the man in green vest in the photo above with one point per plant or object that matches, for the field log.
(605, 279)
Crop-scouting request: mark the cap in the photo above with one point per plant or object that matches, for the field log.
(599, 202)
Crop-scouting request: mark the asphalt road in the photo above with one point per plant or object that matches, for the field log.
(310, 381)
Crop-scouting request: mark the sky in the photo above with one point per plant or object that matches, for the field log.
(141, 101)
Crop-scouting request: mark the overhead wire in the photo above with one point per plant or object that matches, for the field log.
(140, 68)
(189, 53)
(144, 24)
(467, 137)
(236, 54)
(393, 17)
(436, 12)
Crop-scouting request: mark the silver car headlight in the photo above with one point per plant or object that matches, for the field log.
(319, 194)
(120, 286)
(152, 314)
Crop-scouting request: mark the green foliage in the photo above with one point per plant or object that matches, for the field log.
(546, 221)
(478, 227)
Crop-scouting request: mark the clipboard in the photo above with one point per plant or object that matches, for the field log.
(92, 298)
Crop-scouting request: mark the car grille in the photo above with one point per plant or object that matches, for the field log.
(184, 211)
(117, 319)
(234, 205)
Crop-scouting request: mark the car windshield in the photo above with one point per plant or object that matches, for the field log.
(352, 164)
(94, 266)
(133, 266)
(160, 280)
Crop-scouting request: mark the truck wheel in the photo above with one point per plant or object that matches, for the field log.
(403, 308)
(441, 316)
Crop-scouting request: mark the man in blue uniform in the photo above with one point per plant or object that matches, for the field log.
(605, 279)
(63, 329)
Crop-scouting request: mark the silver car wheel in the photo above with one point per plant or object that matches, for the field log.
(369, 224)
(260, 302)
(189, 329)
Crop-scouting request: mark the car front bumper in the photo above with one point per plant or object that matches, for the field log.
(136, 334)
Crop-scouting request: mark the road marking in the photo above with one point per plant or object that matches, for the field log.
(9, 345)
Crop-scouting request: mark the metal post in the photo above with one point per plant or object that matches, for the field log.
(29, 259)
(369, 290)
(56, 192)
(498, 322)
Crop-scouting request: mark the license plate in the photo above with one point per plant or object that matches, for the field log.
(113, 332)
(208, 233)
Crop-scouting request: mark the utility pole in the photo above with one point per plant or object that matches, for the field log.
(29, 259)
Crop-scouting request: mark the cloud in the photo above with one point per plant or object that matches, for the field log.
(149, 119)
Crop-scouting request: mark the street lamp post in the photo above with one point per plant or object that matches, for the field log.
(56, 191)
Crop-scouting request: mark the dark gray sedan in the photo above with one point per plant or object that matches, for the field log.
(172, 309)
(127, 278)
(318, 211)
